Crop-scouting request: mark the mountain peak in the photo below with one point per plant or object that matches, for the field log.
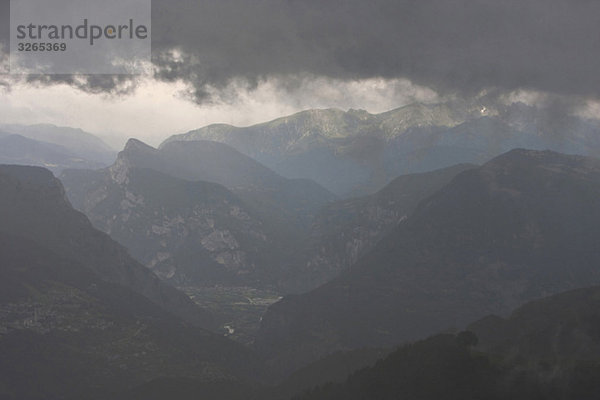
(22, 185)
(546, 159)
(135, 152)
(29, 176)
(137, 145)
(32, 179)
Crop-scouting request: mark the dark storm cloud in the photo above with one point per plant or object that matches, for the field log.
(112, 84)
(459, 46)
(450, 45)
(4, 35)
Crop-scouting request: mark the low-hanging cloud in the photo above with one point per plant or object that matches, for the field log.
(451, 46)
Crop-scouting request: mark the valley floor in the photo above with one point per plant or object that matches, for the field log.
(239, 309)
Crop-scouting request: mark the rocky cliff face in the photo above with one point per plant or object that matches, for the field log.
(191, 233)
(169, 208)
(291, 202)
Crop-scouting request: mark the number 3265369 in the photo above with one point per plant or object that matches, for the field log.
(42, 47)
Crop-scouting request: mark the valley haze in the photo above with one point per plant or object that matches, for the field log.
(304, 200)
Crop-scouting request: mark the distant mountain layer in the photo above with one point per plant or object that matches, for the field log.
(520, 227)
(77, 141)
(356, 152)
(17, 149)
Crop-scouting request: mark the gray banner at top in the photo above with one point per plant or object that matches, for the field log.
(80, 37)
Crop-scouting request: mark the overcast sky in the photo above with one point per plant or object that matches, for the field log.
(246, 61)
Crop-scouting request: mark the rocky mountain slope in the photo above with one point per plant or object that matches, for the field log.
(521, 227)
(76, 141)
(190, 233)
(165, 207)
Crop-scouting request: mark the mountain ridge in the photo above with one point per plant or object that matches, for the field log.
(33, 204)
(356, 153)
(493, 238)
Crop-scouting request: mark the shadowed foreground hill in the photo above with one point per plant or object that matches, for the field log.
(67, 333)
(446, 367)
(523, 226)
(546, 349)
(79, 318)
(563, 327)
(33, 205)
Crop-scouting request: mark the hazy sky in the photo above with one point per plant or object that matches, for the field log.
(246, 61)
(156, 110)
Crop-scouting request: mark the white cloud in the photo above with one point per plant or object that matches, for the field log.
(157, 110)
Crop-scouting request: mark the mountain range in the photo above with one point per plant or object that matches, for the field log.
(19, 150)
(186, 232)
(345, 230)
(357, 153)
(418, 253)
(77, 141)
(55, 148)
(520, 227)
